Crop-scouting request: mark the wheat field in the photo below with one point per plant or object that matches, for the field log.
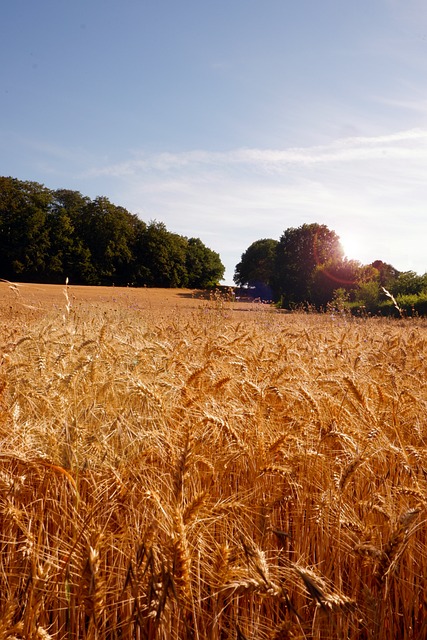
(173, 467)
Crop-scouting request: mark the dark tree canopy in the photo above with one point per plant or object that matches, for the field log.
(163, 254)
(204, 267)
(386, 272)
(256, 267)
(332, 275)
(24, 234)
(48, 236)
(408, 282)
(299, 253)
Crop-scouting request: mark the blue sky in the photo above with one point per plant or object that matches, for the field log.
(228, 120)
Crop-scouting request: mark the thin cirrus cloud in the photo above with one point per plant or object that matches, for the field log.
(400, 145)
(370, 190)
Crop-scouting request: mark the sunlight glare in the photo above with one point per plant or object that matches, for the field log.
(352, 245)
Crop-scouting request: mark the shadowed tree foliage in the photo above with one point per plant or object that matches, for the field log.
(24, 235)
(108, 234)
(204, 266)
(47, 236)
(386, 272)
(408, 282)
(328, 277)
(164, 255)
(70, 257)
(257, 265)
(300, 252)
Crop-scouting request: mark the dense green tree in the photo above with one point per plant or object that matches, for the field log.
(386, 272)
(204, 266)
(104, 233)
(69, 257)
(407, 283)
(139, 269)
(108, 234)
(62, 249)
(300, 252)
(24, 237)
(163, 255)
(368, 295)
(257, 265)
(332, 275)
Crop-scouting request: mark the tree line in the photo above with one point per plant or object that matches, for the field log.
(307, 267)
(50, 235)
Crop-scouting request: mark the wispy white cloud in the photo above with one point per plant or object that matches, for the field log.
(418, 107)
(401, 145)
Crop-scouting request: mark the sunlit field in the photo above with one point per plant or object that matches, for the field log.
(175, 467)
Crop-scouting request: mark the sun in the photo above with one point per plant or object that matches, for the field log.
(352, 245)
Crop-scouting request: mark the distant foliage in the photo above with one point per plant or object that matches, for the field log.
(306, 268)
(47, 236)
(256, 268)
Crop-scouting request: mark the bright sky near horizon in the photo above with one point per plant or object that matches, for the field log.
(228, 120)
